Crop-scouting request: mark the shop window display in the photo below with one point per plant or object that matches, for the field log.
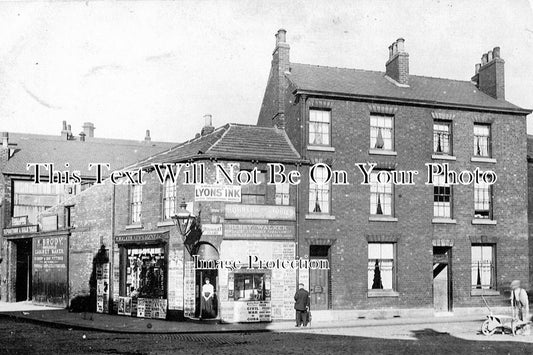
(249, 287)
(145, 273)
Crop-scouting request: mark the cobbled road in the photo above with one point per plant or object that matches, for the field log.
(18, 337)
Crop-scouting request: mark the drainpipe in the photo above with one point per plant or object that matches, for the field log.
(112, 252)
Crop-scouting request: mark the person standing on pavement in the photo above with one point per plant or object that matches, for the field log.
(301, 305)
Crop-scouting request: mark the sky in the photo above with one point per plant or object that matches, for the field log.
(129, 66)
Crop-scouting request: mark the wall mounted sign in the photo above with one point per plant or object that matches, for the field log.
(259, 231)
(271, 212)
(211, 229)
(225, 193)
(141, 237)
(20, 230)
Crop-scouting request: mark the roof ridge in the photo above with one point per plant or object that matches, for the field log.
(229, 125)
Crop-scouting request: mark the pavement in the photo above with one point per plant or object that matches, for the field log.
(62, 318)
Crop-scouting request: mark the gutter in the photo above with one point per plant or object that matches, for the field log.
(415, 102)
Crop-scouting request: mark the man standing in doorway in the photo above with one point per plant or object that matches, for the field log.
(301, 305)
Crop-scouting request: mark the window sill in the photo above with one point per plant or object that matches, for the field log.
(382, 293)
(382, 152)
(324, 148)
(484, 292)
(443, 221)
(319, 216)
(169, 223)
(484, 221)
(134, 226)
(382, 219)
(443, 157)
(483, 160)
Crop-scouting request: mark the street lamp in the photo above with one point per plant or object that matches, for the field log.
(184, 219)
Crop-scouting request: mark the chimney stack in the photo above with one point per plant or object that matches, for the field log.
(64, 131)
(280, 66)
(147, 137)
(397, 67)
(5, 140)
(208, 125)
(82, 136)
(88, 129)
(489, 75)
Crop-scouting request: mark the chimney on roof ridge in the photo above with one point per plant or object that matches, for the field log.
(82, 137)
(5, 140)
(69, 133)
(147, 137)
(208, 125)
(397, 67)
(489, 75)
(280, 65)
(88, 129)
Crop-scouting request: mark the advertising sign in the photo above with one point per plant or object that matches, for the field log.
(224, 193)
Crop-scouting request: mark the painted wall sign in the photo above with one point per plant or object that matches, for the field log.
(50, 258)
(225, 193)
(212, 229)
(20, 230)
(259, 231)
(125, 238)
(19, 221)
(49, 223)
(285, 213)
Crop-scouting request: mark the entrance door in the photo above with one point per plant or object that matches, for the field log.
(319, 285)
(23, 271)
(442, 279)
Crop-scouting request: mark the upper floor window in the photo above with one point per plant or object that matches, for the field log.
(381, 196)
(483, 268)
(482, 137)
(442, 137)
(442, 198)
(381, 132)
(381, 268)
(254, 194)
(319, 194)
(67, 216)
(282, 194)
(483, 201)
(319, 127)
(169, 199)
(135, 203)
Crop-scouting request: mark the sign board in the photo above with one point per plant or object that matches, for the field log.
(252, 311)
(20, 230)
(50, 259)
(211, 229)
(19, 221)
(214, 192)
(49, 223)
(259, 231)
(143, 237)
(272, 212)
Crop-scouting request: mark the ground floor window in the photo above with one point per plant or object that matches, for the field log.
(381, 268)
(249, 287)
(483, 266)
(144, 270)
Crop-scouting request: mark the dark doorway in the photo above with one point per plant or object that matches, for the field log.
(23, 272)
(206, 292)
(442, 279)
(319, 280)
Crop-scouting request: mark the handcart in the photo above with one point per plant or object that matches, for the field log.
(503, 323)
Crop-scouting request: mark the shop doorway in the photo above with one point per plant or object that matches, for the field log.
(206, 282)
(442, 279)
(23, 269)
(319, 279)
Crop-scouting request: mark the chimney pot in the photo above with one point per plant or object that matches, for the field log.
(147, 136)
(88, 129)
(394, 48)
(489, 56)
(400, 42)
(208, 125)
(82, 137)
(64, 125)
(281, 36)
(5, 139)
(496, 52)
(478, 65)
(484, 58)
(390, 51)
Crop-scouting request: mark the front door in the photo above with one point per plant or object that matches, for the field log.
(442, 279)
(319, 289)
(23, 272)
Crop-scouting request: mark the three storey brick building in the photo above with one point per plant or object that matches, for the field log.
(396, 247)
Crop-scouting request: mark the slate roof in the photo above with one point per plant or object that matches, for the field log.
(37, 148)
(374, 84)
(231, 142)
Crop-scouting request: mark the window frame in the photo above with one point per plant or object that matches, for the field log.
(134, 203)
(243, 275)
(394, 276)
(449, 124)
(392, 193)
(329, 125)
(285, 196)
(490, 216)
(393, 131)
(164, 199)
(450, 187)
(261, 187)
(489, 140)
(493, 273)
(312, 202)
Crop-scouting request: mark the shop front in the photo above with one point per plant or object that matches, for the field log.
(142, 275)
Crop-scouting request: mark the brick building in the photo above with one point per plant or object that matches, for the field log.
(22, 200)
(126, 255)
(417, 247)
